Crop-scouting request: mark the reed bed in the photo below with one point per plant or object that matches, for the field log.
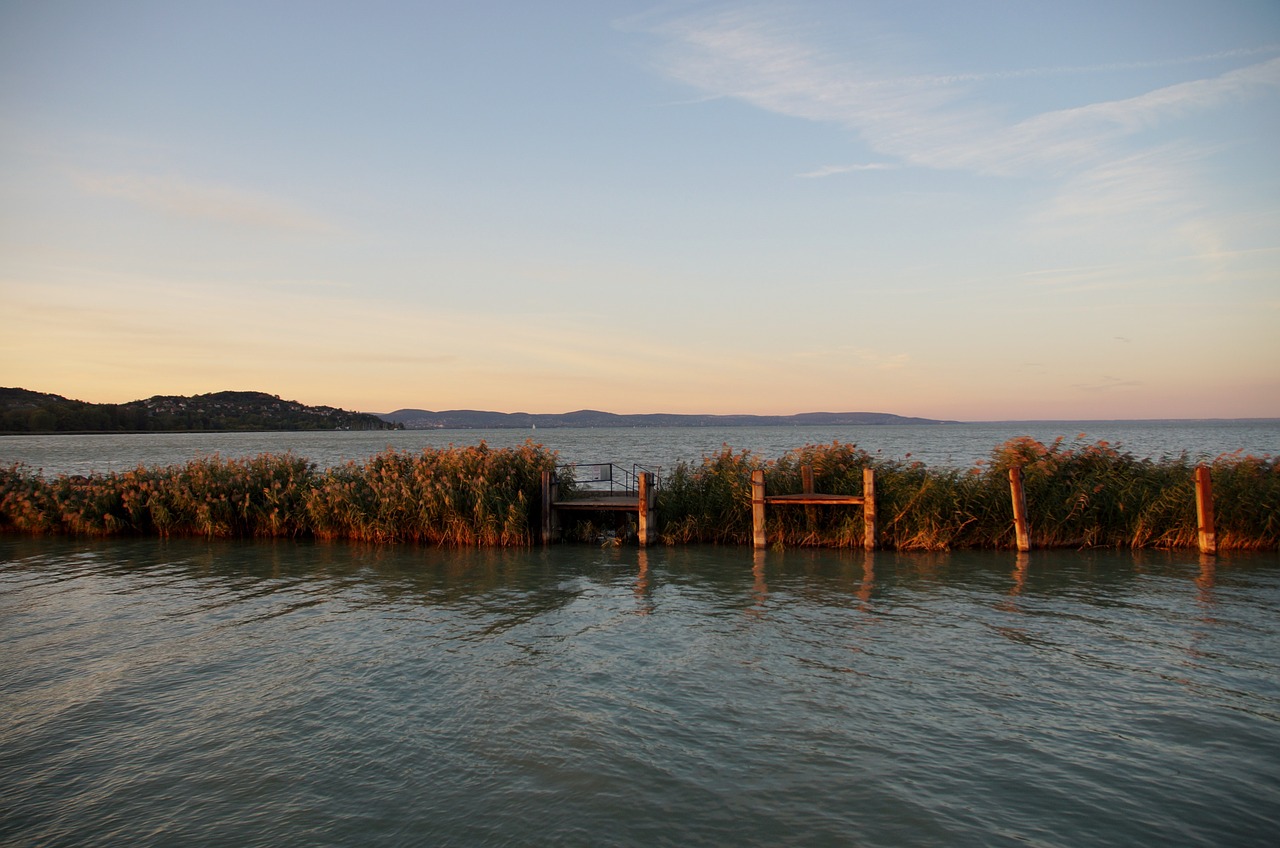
(1079, 494)
(454, 496)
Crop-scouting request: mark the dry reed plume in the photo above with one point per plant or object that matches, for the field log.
(1079, 495)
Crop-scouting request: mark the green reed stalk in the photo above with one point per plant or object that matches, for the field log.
(460, 496)
(1079, 495)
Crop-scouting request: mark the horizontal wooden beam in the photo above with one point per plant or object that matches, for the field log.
(817, 499)
(629, 503)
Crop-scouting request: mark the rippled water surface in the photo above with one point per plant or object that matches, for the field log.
(191, 693)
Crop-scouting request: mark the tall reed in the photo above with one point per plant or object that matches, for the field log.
(1079, 494)
(460, 496)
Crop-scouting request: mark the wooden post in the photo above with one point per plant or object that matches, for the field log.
(1020, 527)
(757, 508)
(1204, 511)
(869, 508)
(806, 485)
(648, 518)
(550, 524)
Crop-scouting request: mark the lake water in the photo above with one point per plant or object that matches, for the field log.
(661, 447)
(157, 693)
(183, 692)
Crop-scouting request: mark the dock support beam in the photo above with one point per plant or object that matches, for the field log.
(1020, 526)
(647, 524)
(1208, 536)
(550, 518)
(757, 508)
(869, 508)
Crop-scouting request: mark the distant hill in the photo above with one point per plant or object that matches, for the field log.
(467, 419)
(24, 411)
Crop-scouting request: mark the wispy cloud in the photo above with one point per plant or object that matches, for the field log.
(222, 204)
(867, 358)
(1107, 383)
(893, 362)
(1152, 182)
(1105, 67)
(1082, 135)
(832, 170)
(881, 361)
(305, 285)
(928, 120)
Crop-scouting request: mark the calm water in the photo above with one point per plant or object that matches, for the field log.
(244, 694)
(954, 445)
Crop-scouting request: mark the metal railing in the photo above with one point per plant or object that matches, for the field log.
(607, 477)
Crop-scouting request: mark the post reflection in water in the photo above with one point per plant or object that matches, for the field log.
(868, 579)
(644, 587)
(1020, 573)
(1199, 647)
(1021, 564)
(1205, 581)
(760, 588)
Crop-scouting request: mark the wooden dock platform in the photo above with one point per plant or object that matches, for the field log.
(619, 503)
(643, 502)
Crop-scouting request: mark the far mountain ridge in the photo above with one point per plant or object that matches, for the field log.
(25, 411)
(470, 419)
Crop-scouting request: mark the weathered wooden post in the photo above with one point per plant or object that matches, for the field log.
(806, 486)
(1020, 527)
(648, 517)
(869, 508)
(1204, 511)
(757, 508)
(550, 520)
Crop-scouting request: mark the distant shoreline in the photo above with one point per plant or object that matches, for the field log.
(471, 419)
(1043, 421)
(1030, 422)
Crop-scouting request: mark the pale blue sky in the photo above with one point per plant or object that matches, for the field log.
(955, 210)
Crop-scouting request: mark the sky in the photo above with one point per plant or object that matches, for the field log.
(969, 211)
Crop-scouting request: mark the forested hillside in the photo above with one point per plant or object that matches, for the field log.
(24, 411)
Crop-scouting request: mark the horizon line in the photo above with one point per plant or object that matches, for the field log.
(1264, 418)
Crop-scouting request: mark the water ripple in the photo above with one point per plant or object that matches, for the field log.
(162, 693)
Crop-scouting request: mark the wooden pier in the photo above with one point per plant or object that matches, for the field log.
(639, 494)
(643, 501)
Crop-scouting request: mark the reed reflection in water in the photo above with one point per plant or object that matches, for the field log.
(184, 692)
